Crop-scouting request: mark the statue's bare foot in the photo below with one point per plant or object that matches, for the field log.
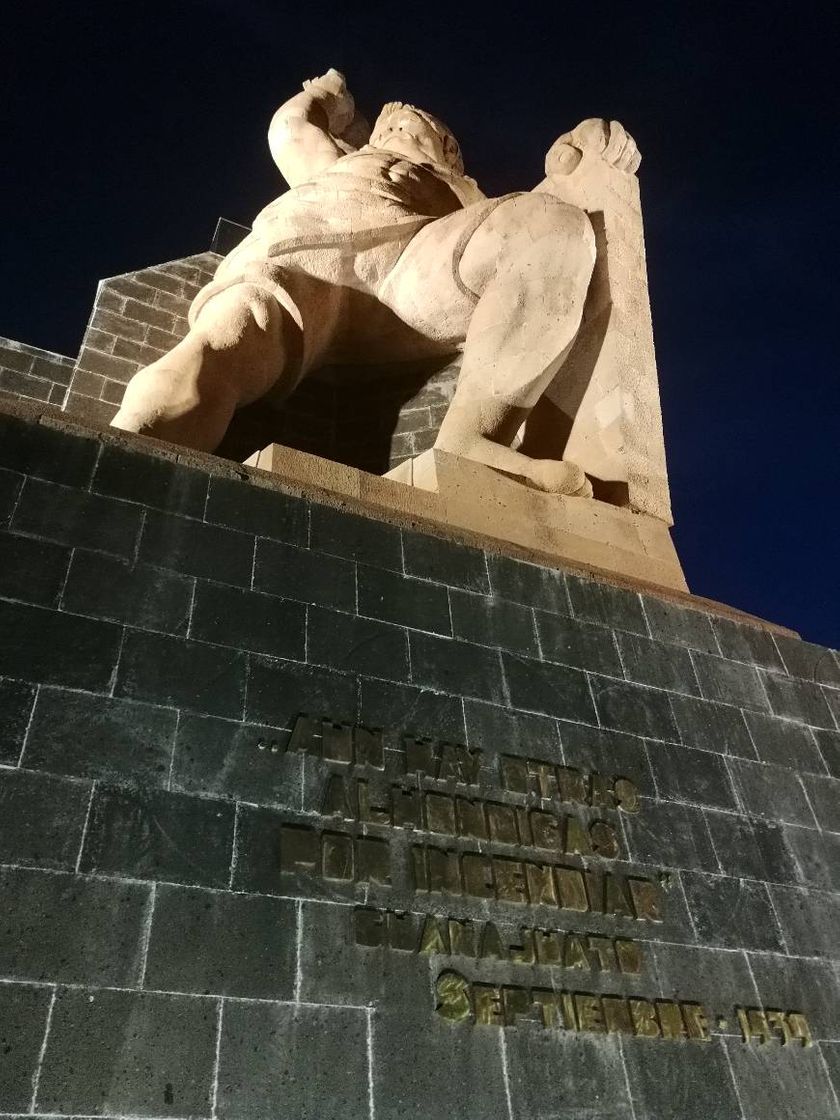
(558, 477)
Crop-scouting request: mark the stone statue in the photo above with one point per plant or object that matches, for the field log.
(385, 251)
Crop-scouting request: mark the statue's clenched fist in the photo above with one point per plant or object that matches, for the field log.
(331, 91)
(607, 139)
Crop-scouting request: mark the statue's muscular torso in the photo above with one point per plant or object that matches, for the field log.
(344, 230)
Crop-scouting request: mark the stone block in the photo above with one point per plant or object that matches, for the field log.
(633, 708)
(672, 835)
(90, 410)
(751, 848)
(278, 692)
(455, 667)
(809, 662)
(786, 1083)
(671, 1082)
(335, 970)
(598, 1081)
(268, 1054)
(798, 700)
(490, 621)
(16, 699)
(240, 761)
(809, 920)
(824, 795)
(729, 682)
(355, 538)
(445, 561)
(24, 385)
(74, 517)
(46, 452)
(88, 384)
(552, 690)
(90, 736)
(712, 727)
(584, 645)
(129, 1054)
(309, 577)
(14, 356)
(720, 979)
(832, 698)
(32, 570)
(182, 674)
(608, 752)
(360, 645)
(196, 549)
(784, 742)
(41, 819)
(69, 929)
(817, 856)
(254, 509)
(239, 945)
(153, 834)
(23, 1019)
(153, 316)
(34, 644)
(412, 710)
(612, 606)
(452, 1071)
(498, 731)
(828, 743)
(732, 913)
(739, 641)
(798, 984)
(771, 791)
(654, 663)
(10, 486)
(392, 597)
(249, 620)
(108, 365)
(529, 584)
(138, 595)
(683, 774)
(830, 1052)
(159, 483)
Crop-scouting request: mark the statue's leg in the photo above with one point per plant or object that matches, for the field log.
(529, 263)
(235, 352)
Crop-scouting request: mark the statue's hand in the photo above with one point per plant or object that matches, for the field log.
(607, 139)
(331, 91)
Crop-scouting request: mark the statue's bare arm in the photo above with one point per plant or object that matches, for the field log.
(303, 130)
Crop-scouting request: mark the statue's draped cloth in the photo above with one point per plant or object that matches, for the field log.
(328, 250)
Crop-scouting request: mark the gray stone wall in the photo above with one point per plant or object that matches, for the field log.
(33, 374)
(162, 629)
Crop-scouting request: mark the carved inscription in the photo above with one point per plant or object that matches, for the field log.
(433, 823)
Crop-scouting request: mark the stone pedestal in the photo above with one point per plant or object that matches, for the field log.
(306, 810)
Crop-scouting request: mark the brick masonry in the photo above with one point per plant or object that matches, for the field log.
(158, 623)
(33, 374)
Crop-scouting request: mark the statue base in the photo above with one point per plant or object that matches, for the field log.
(456, 493)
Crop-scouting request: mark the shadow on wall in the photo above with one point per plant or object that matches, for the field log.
(364, 417)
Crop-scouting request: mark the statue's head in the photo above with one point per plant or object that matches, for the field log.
(417, 135)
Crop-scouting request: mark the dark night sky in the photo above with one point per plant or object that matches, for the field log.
(132, 126)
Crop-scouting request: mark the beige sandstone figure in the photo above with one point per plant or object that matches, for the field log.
(384, 252)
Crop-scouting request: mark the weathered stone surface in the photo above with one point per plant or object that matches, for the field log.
(151, 754)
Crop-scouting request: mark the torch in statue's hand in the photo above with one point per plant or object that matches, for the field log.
(594, 136)
(347, 126)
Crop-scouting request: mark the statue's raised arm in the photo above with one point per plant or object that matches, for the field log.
(305, 131)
